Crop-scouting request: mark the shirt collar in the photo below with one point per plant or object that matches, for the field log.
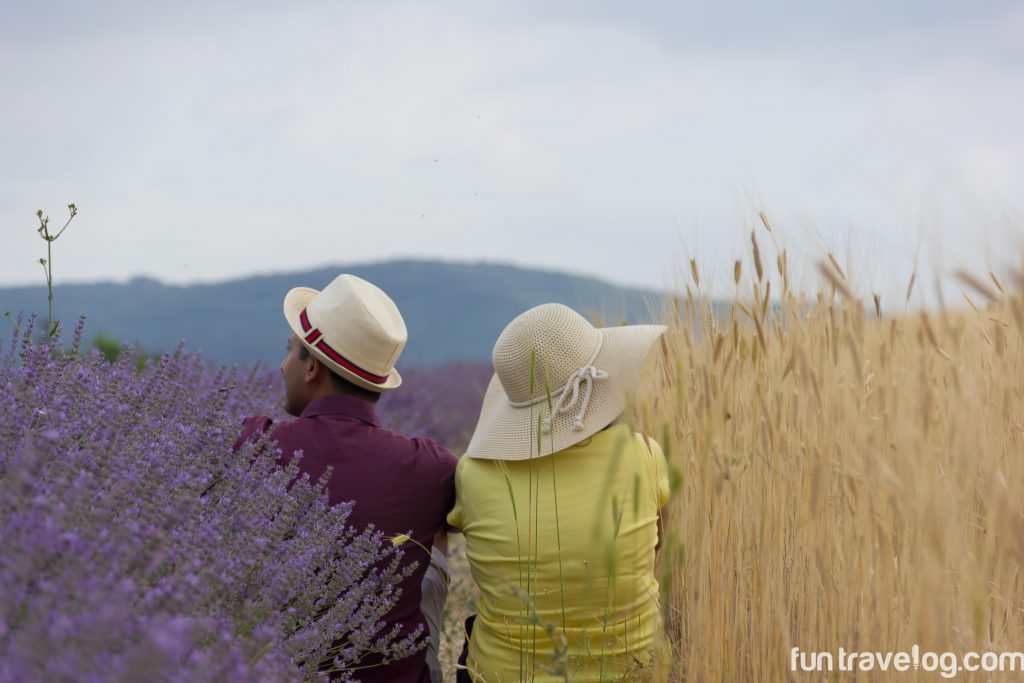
(344, 406)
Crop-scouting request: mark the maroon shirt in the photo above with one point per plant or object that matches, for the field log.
(398, 484)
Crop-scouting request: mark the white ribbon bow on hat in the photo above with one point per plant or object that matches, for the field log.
(586, 375)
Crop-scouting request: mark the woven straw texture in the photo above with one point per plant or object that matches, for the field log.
(562, 342)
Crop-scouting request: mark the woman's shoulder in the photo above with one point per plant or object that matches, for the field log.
(468, 466)
(641, 446)
(622, 435)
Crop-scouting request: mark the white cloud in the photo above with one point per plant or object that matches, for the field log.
(203, 146)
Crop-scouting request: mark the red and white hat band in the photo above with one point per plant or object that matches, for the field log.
(315, 338)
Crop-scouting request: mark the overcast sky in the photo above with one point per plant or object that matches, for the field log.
(204, 141)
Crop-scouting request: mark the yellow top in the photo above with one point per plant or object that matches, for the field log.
(597, 552)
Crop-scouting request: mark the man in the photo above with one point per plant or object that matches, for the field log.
(340, 359)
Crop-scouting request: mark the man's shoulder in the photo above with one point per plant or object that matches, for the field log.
(423, 448)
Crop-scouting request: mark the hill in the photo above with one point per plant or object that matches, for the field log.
(454, 311)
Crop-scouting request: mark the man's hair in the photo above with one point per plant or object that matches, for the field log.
(340, 384)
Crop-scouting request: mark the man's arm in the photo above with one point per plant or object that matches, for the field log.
(441, 541)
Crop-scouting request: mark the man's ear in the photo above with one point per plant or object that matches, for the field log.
(315, 370)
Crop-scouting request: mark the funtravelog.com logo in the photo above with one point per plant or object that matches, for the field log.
(946, 664)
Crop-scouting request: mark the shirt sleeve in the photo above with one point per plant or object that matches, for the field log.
(442, 473)
(450, 468)
(455, 516)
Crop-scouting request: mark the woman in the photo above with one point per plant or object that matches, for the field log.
(559, 502)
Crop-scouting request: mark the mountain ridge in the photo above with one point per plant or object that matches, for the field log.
(454, 310)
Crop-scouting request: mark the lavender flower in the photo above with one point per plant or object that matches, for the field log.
(137, 546)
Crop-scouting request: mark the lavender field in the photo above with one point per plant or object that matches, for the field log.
(137, 542)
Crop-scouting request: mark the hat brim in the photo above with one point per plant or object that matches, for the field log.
(296, 300)
(504, 432)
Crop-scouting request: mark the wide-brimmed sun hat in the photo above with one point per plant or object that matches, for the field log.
(353, 328)
(589, 372)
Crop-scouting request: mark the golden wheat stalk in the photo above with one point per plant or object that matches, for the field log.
(758, 267)
(836, 279)
(977, 284)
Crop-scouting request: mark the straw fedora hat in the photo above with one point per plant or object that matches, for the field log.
(353, 328)
(589, 372)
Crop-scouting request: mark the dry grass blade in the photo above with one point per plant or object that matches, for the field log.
(856, 358)
(928, 331)
(737, 270)
(761, 338)
(878, 305)
(835, 264)
(836, 279)
(977, 284)
(695, 273)
(789, 365)
(910, 287)
(758, 267)
(717, 350)
(998, 284)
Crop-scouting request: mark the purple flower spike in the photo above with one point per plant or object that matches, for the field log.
(138, 546)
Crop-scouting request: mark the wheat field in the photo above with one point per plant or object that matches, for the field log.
(847, 479)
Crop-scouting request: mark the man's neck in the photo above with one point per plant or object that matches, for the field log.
(364, 396)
